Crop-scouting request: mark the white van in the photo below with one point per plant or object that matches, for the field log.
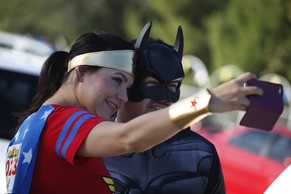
(21, 59)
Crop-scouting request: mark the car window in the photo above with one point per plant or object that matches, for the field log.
(16, 93)
(280, 148)
(250, 140)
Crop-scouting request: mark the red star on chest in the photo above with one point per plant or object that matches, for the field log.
(193, 103)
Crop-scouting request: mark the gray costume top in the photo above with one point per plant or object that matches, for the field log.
(186, 163)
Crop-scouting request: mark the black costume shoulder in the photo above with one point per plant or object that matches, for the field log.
(185, 163)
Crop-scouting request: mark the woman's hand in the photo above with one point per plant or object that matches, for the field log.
(232, 95)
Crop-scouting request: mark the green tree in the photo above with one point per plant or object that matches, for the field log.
(255, 35)
(52, 18)
(252, 34)
(167, 15)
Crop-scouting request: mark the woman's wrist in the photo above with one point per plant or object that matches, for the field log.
(190, 110)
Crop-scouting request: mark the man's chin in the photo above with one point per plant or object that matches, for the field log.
(151, 110)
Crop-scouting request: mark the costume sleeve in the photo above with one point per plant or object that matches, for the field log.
(73, 127)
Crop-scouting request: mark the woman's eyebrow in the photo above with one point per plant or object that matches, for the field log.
(122, 75)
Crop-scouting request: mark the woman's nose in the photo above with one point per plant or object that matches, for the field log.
(122, 95)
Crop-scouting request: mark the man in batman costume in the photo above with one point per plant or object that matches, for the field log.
(187, 162)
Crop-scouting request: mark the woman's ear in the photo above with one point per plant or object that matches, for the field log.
(79, 74)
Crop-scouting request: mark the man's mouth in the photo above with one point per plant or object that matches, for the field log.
(157, 106)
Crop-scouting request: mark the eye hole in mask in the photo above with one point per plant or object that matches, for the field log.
(173, 86)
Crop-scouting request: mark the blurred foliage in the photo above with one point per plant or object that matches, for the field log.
(55, 18)
(252, 34)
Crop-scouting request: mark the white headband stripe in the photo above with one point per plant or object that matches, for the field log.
(116, 59)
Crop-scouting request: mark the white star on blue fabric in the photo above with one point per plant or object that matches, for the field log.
(26, 130)
(17, 135)
(27, 156)
(46, 114)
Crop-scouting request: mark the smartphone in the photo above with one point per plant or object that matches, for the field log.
(264, 111)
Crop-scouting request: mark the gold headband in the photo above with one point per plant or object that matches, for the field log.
(115, 59)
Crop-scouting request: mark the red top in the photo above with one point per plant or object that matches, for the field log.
(57, 168)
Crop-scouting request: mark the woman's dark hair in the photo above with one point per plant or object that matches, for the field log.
(54, 70)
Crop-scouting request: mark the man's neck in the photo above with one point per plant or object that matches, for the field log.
(122, 117)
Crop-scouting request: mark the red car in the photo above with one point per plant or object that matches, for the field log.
(251, 159)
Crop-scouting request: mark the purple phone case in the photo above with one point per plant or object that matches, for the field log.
(265, 110)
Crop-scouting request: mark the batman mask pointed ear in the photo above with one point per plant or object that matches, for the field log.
(143, 37)
(161, 61)
(179, 43)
